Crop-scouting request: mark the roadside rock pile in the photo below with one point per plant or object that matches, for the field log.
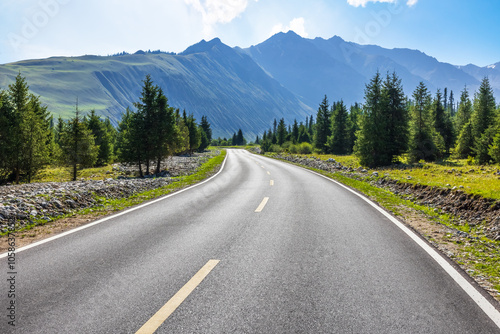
(329, 165)
(173, 166)
(21, 204)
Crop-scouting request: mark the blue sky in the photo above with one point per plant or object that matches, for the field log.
(453, 31)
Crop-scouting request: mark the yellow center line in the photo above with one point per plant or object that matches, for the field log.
(268, 173)
(271, 183)
(262, 204)
(156, 320)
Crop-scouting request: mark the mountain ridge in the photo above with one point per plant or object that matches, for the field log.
(285, 76)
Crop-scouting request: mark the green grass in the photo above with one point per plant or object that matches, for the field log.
(64, 174)
(475, 180)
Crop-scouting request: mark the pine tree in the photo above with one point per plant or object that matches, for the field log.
(445, 98)
(59, 129)
(311, 126)
(463, 124)
(464, 112)
(483, 118)
(394, 106)
(36, 138)
(338, 142)
(451, 104)
(194, 133)
(146, 110)
(181, 142)
(295, 132)
(465, 142)
(19, 95)
(281, 132)
(205, 125)
(322, 126)
(240, 139)
(442, 122)
(373, 143)
(304, 136)
(103, 139)
(31, 131)
(353, 125)
(8, 147)
(123, 146)
(78, 144)
(424, 142)
(163, 129)
(494, 148)
(204, 143)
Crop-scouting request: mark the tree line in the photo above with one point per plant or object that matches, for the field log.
(238, 139)
(389, 124)
(29, 139)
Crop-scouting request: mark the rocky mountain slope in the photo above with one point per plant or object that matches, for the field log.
(284, 76)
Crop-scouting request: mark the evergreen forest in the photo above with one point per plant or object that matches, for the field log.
(30, 138)
(389, 126)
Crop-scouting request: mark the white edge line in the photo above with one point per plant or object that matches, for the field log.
(473, 293)
(115, 215)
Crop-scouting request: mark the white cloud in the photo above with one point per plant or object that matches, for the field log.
(296, 25)
(217, 11)
(362, 3)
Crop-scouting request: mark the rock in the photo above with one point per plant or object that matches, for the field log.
(57, 204)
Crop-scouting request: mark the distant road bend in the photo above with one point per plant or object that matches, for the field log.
(263, 247)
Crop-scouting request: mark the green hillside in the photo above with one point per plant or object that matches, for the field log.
(209, 79)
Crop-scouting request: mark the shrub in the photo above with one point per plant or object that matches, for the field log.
(305, 148)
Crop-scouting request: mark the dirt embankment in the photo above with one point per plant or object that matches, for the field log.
(471, 209)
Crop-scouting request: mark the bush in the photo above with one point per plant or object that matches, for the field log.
(275, 148)
(294, 149)
(305, 148)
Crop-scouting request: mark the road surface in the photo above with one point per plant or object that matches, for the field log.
(263, 247)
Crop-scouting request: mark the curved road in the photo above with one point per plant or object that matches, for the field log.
(295, 253)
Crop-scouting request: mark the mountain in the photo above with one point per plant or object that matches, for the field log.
(208, 78)
(285, 76)
(306, 70)
(312, 68)
(491, 71)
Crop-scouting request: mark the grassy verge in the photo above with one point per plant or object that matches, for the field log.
(206, 170)
(475, 180)
(65, 174)
(106, 206)
(475, 253)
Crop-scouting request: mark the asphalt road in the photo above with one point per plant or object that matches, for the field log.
(314, 258)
